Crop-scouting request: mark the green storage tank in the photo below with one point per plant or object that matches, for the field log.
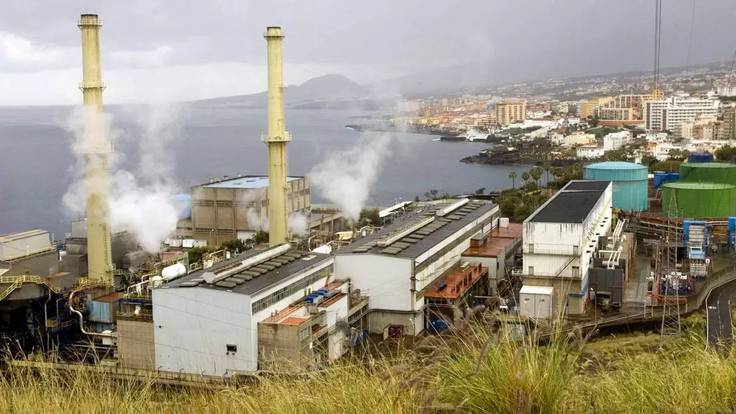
(629, 182)
(698, 200)
(709, 172)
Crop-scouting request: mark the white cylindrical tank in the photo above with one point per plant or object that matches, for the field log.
(173, 271)
(324, 249)
(155, 282)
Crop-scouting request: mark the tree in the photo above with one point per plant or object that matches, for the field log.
(260, 237)
(525, 176)
(431, 194)
(677, 154)
(512, 176)
(649, 161)
(369, 216)
(726, 153)
(480, 191)
(536, 174)
(547, 167)
(195, 254)
(237, 245)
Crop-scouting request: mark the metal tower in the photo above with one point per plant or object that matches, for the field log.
(96, 150)
(276, 140)
(668, 276)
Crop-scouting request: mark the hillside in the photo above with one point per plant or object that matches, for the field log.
(471, 372)
(316, 93)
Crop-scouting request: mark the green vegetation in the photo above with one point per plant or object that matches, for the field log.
(519, 204)
(677, 154)
(726, 153)
(195, 254)
(666, 166)
(473, 371)
(369, 216)
(602, 131)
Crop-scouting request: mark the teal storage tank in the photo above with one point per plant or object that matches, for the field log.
(629, 182)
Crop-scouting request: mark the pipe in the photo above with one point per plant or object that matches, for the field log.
(46, 319)
(96, 149)
(276, 141)
(81, 317)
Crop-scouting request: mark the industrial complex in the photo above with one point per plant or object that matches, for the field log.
(618, 246)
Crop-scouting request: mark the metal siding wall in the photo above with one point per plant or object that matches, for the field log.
(629, 185)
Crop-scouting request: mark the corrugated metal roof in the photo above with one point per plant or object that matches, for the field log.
(255, 278)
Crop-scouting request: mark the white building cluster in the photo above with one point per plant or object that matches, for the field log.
(669, 114)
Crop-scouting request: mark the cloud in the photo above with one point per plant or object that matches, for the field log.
(19, 52)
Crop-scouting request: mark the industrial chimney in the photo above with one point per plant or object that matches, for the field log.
(96, 150)
(276, 140)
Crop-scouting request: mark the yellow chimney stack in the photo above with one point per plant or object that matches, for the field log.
(276, 141)
(96, 149)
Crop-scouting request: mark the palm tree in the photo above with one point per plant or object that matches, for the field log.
(512, 176)
(547, 167)
(536, 174)
(525, 176)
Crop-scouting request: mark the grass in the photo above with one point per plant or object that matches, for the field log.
(474, 372)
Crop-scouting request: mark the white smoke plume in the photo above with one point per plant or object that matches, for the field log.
(346, 177)
(297, 224)
(142, 203)
(257, 217)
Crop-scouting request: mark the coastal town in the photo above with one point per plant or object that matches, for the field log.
(601, 118)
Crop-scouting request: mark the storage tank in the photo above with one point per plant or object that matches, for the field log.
(695, 157)
(711, 172)
(172, 272)
(629, 182)
(661, 177)
(698, 200)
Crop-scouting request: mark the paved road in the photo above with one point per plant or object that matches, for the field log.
(718, 310)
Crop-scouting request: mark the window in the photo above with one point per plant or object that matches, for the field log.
(575, 271)
(575, 250)
(231, 349)
(531, 247)
(531, 270)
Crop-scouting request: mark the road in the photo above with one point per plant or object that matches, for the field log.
(718, 310)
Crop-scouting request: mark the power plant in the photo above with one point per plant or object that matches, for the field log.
(232, 293)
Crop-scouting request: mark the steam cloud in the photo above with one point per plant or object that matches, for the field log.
(296, 222)
(346, 177)
(142, 204)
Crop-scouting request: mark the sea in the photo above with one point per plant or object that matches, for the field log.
(197, 142)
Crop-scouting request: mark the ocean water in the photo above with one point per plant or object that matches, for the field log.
(37, 165)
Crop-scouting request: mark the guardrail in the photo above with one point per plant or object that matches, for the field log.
(15, 282)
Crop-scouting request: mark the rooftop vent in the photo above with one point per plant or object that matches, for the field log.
(444, 211)
(400, 233)
(216, 275)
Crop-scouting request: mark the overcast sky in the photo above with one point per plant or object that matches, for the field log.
(156, 50)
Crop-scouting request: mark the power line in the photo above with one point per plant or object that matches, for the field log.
(657, 42)
(690, 36)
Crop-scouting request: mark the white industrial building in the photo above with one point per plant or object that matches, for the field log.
(395, 266)
(669, 114)
(25, 243)
(207, 322)
(616, 140)
(560, 242)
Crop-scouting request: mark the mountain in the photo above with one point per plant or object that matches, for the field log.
(317, 93)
